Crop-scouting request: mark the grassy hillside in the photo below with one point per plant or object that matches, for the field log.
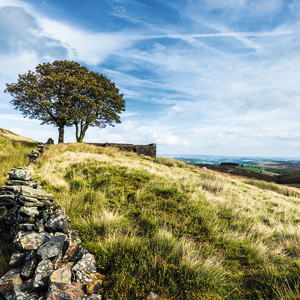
(182, 232)
(14, 150)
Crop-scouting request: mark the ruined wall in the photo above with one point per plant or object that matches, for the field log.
(149, 150)
(48, 262)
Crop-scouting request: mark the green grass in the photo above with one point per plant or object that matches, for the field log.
(185, 233)
(251, 169)
(14, 151)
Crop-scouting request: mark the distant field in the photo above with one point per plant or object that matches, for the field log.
(251, 169)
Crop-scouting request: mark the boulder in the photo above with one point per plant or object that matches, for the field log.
(52, 247)
(42, 275)
(61, 278)
(19, 174)
(58, 223)
(23, 292)
(36, 193)
(86, 263)
(70, 252)
(17, 259)
(17, 182)
(30, 201)
(30, 240)
(55, 293)
(95, 286)
(30, 211)
(6, 200)
(9, 280)
(13, 189)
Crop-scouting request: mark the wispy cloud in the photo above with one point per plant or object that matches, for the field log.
(217, 77)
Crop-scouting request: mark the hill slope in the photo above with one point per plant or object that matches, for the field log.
(184, 233)
(14, 150)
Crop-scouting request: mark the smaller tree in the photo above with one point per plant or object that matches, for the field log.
(100, 107)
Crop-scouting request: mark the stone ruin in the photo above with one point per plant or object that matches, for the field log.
(48, 261)
(148, 150)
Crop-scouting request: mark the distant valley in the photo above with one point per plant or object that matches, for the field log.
(279, 170)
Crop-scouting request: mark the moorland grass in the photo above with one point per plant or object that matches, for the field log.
(185, 233)
(14, 150)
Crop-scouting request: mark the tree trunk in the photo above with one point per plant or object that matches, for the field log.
(77, 130)
(80, 131)
(61, 132)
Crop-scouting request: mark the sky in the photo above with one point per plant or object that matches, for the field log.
(198, 76)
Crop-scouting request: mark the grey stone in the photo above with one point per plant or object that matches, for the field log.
(52, 247)
(9, 280)
(29, 267)
(30, 240)
(58, 223)
(30, 200)
(86, 263)
(22, 292)
(44, 266)
(17, 182)
(39, 226)
(57, 261)
(79, 252)
(83, 276)
(61, 278)
(91, 297)
(17, 259)
(26, 227)
(30, 204)
(19, 174)
(42, 274)
(75, 237)
(29, 211)
(6, 197)
(3, 192)
(13, 189)
(36, 193)
(56, 294)
(152, 296)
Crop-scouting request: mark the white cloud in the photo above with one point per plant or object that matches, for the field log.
(25, 35)
(89, 47)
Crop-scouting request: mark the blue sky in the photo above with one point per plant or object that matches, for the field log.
(199, 76)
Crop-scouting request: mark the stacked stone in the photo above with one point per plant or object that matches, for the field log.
(33, 156)
(48, 262)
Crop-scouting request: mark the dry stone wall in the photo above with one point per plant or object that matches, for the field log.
(48, 262)
(149, 150)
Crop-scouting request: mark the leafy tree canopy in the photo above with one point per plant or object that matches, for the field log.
(64, 93)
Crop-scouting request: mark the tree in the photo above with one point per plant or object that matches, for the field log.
(101, 107)
(64, 93)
